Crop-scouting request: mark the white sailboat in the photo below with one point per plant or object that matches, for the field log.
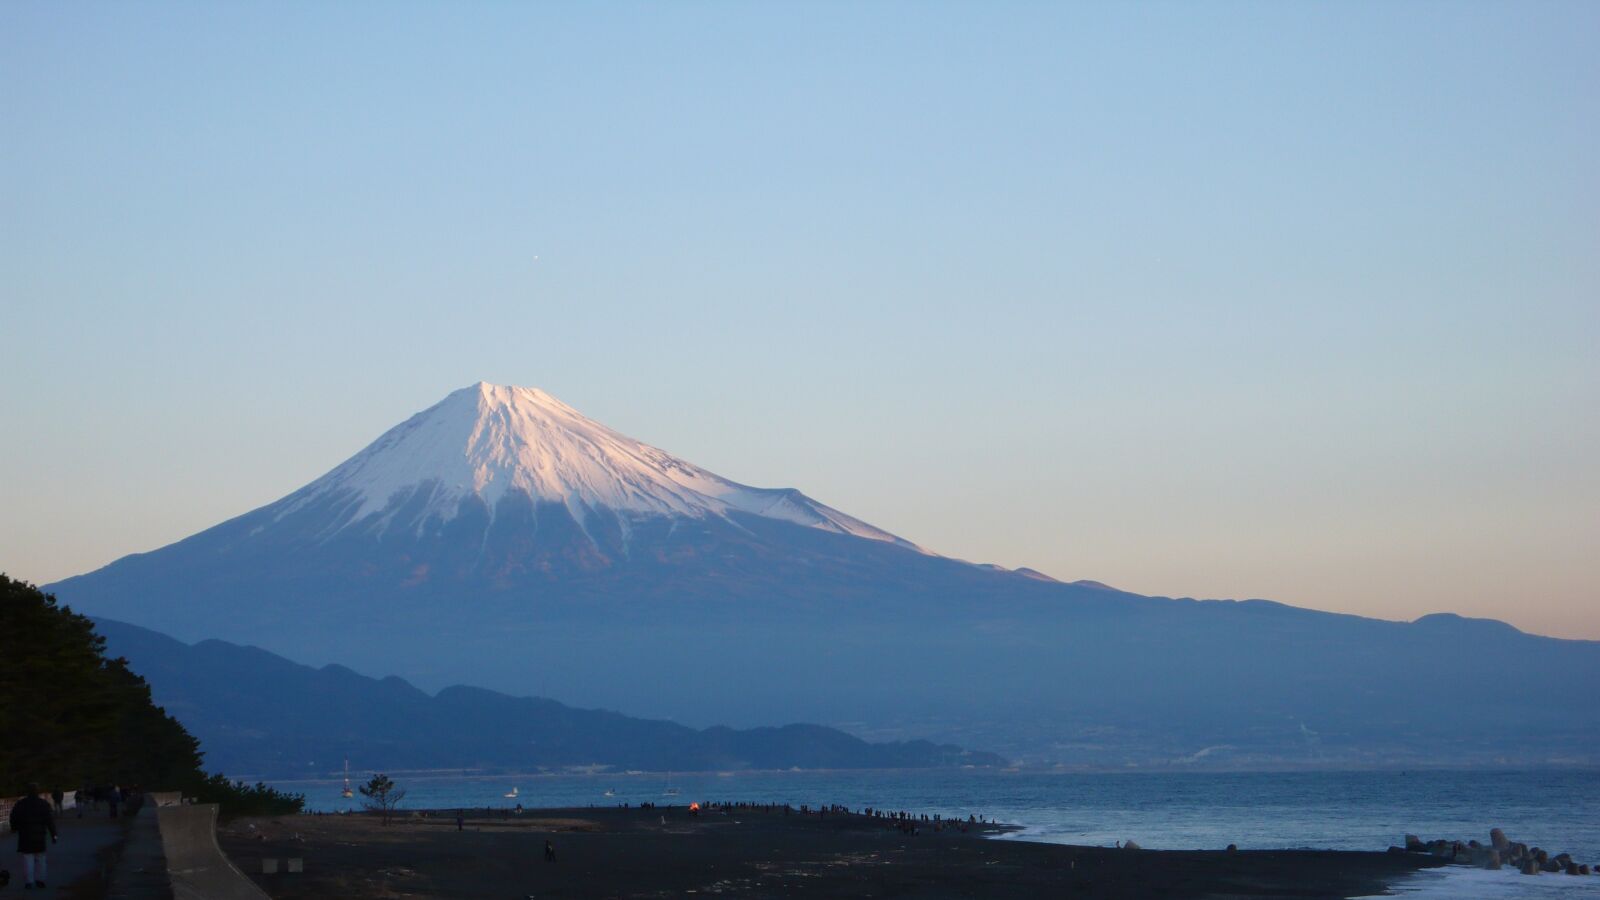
(347, 793)
(512, 794)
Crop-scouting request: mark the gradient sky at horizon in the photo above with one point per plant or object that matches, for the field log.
(1297, 301)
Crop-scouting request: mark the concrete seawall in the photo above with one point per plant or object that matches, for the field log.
(195, 863)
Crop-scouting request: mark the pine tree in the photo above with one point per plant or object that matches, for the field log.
(382, 795)
(71, 714)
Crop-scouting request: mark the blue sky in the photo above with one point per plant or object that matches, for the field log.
(1223, 299)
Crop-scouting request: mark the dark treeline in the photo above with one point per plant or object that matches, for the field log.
(71, 717)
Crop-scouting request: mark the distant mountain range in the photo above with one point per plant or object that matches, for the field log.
(259, 714)
(500, 538)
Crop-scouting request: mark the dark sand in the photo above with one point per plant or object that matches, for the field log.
(754, 853)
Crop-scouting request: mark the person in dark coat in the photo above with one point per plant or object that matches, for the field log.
(32, 820)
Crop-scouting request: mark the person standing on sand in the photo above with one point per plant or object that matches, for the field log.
(114, 797)
(58, 797)
(31, 820)
(549, 852)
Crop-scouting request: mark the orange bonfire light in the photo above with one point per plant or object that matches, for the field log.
(694, 807)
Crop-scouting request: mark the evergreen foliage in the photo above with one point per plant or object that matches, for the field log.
(382, 795)
(72, 717)
(70, 714)
(240, 799)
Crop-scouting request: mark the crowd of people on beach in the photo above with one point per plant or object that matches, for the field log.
(901, 820)
(905, 822)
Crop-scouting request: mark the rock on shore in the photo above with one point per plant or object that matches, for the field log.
(1500, 851)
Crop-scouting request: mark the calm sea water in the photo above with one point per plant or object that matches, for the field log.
(1555, 809)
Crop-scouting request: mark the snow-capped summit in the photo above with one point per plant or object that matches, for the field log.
(501, 539)
(489, 441)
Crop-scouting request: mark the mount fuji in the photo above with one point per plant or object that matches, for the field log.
(502, 539)
(489, 447)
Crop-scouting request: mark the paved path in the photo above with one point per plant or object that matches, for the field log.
(75, 857)
(140, 872)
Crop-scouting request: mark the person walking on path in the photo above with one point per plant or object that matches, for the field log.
(58, 797)
(32, 820)
(114, 797)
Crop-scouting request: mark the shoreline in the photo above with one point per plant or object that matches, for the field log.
(597, 771)
(759, 851)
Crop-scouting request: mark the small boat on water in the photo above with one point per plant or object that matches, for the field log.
(611, 793)
(347, 793)
(513, 793)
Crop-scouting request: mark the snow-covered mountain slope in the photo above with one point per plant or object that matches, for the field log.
(488, 441)
(502, 539)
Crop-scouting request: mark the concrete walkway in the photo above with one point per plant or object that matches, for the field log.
(75, 857)
(168, 853)
(140, 872)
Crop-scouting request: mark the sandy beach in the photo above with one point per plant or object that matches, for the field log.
(754, 852)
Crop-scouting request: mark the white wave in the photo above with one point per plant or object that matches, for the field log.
(1457, 882)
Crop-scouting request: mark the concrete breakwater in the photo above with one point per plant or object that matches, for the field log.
(1498, 853)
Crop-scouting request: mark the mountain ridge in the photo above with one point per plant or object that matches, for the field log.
(258, 713)
(724, 615)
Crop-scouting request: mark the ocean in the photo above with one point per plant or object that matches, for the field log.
(1557, 809)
